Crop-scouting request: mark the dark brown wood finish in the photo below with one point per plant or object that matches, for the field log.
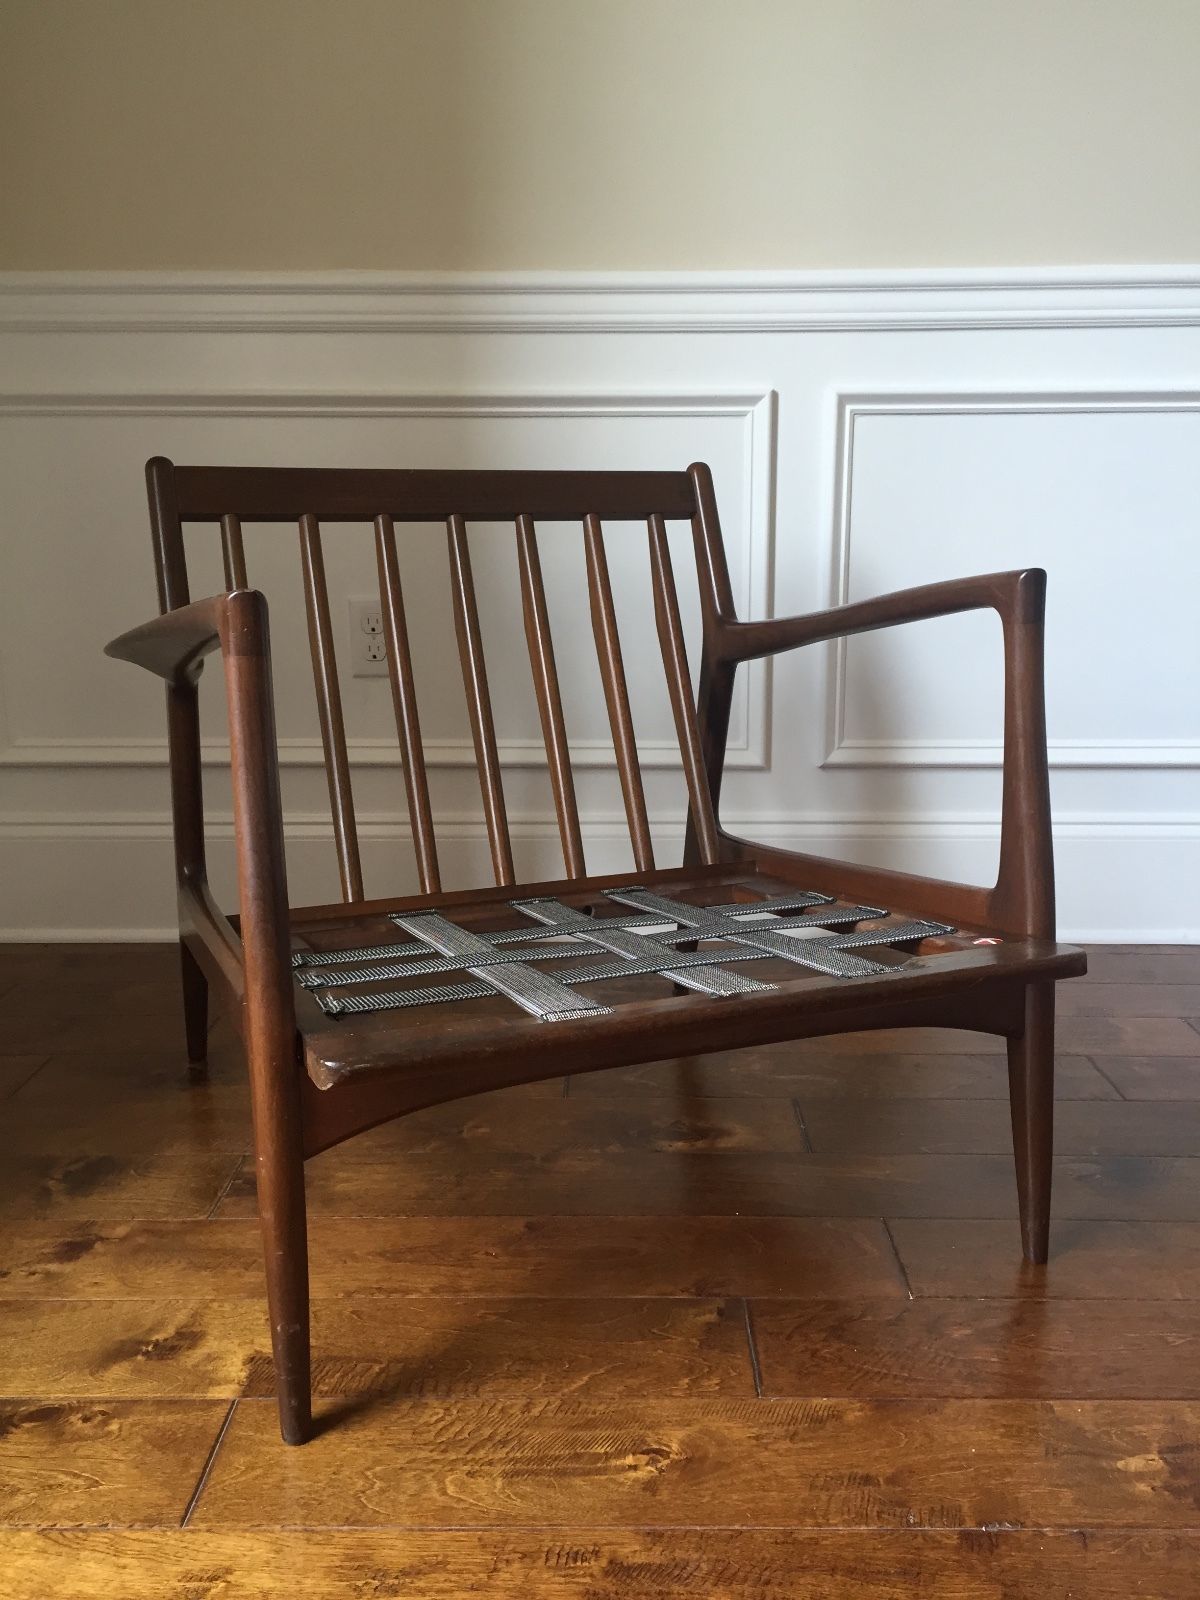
(549, 699)
(616, 693)
(701, 818)
(329, 707)
(479, 700)
(317, 1080)
(233, 553)
(404, 699)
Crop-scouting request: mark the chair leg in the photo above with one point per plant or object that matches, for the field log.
(195, 1011)
(279, 1165)
(1031, 1096)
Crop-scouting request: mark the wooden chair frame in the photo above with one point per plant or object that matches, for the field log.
(315, 1083)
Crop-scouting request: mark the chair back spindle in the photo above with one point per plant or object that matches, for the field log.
(233, 554)
(549, 699)
(616, 693)
(329, 708)
(479, 700)
(404, 699)
(679, 687)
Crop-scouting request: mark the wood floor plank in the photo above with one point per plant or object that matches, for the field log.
(1129, 999)
(145, 1101)
(126, 1102)
(1145, 964)
(1136, 1261)
(379, 1345)
(502, 1124)
(776, 1071)
(825, 1463)
(1133, 1187)
(41, 964)
(130, 1349)
(165, 1111)
(829, 1258)
(1074, 1035)
(589, 1564)
(1116, 1036)
(102, 1187)
(17, 1070)
(102, 1463)
(86, 1016)
(1152, 1077)
(1081, 1127)
(1019, 1349)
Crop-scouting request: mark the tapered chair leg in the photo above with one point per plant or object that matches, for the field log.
(1031, 1096)
(195, 1011)
(279, 1171)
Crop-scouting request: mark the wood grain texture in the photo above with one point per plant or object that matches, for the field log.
(1136, 1261)
(766, 1184)
(379, 1345)
(608, 1564)
(121, 1015)
(1130, 1000)
(1152, 1077)
(1097, 1350)
(552, 1128)
(102, 1463)
(842, 1463)
(587, 1564)
(774, 1071)
(16, 1071)
(1081, 1127)
(1134, 964)
(826, 1257)
(123, 1103)
(1076, 1035)
(99, 1187)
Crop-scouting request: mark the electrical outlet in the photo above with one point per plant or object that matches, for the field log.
(368, 652)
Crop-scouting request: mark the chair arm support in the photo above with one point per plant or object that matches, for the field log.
(1022, 900)
(173, 646)
(1012, 594)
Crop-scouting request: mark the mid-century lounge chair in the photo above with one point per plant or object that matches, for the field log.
(355, 1013)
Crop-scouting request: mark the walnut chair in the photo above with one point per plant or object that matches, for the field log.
(355, 1013)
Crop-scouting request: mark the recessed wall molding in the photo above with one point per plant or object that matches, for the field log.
(753, 408)
(842, 750)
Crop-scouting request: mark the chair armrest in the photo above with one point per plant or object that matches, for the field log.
(1021, 901)
(173, 645)
(1013, 594)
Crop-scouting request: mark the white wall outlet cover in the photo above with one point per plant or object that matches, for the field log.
(368, 652)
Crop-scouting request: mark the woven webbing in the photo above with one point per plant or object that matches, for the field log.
(510, 961)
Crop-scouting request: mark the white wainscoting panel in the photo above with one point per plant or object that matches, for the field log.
(866, 432)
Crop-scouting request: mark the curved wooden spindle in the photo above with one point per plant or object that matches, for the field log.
(479, 704)
(679, 687)
(616, 693)
(233, 554)
(404, 699)
(549, 699)
(329, 707)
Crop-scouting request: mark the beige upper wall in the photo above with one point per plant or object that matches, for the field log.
(492, 134)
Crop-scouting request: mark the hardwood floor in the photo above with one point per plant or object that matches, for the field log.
(744, 1326)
